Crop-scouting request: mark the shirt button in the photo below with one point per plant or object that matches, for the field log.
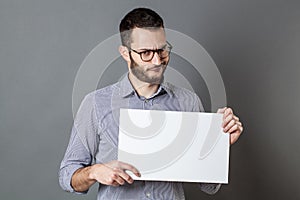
(148, 194)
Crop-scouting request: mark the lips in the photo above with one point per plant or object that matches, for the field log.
(156, 68)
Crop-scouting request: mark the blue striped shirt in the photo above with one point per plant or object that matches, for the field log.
(94, 137)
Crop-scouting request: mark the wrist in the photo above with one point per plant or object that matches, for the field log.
(92, 172)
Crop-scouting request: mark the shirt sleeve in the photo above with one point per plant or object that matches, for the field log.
(82, 145)
(188, 101)
(210, 188)
(198, 107)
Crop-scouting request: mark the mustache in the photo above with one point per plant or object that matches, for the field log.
(157, 66)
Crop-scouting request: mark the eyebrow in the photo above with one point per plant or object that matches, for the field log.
(145, 49)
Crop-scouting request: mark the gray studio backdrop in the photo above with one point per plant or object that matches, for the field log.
(255, 45)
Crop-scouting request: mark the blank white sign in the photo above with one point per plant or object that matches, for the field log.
(174, 146)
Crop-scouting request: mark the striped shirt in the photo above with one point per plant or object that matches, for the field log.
(94, 137)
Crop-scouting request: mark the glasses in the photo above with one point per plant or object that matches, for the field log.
(147, 55)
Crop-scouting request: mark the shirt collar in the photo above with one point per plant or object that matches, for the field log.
(127, 88)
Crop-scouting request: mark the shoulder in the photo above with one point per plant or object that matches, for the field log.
(101, 93)
(98, 99)
(179, 92)
(188, 100)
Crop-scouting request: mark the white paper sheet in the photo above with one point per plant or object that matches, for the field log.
(174, 146)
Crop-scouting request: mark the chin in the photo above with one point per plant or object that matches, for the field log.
(156, 79)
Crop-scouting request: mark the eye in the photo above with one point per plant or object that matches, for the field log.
(163, 53)
(147, 53)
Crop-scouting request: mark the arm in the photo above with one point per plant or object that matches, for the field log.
(77, 173)
(112, 173)
(209, 188)
(76, 157)
(233, 126)
(81, 180)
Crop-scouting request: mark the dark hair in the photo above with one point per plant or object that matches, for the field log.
(138, 18)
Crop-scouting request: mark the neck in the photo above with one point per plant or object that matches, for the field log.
(142, 88)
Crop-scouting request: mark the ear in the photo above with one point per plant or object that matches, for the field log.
(124, 53)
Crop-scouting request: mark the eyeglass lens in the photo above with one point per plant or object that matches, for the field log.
(149, 54)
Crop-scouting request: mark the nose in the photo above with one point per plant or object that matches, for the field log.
(156, 60)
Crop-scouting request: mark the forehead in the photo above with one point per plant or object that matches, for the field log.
(148, 38)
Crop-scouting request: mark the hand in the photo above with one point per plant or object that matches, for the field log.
(231, 124)
(113, 173)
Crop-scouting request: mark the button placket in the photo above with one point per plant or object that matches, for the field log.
(148, 195)
(145, 102)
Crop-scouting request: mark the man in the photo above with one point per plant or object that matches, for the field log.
(91, 155)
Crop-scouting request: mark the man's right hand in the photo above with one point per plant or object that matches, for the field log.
(113, 173)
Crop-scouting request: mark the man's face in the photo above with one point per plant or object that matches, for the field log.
(148, 39)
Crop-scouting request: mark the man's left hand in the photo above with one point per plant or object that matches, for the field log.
(231, 124)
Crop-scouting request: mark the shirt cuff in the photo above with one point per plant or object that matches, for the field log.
(210, 188)
(65, 177)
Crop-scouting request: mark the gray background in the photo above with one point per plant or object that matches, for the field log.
(255, 45)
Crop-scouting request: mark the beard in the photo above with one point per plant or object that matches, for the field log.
(141, 73)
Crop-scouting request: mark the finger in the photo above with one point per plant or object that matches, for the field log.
(126, 177)
(116, 178)
(240, 125)
(228, 111)
(114, 183)
(236, 118)
(221, 110)
(233, 129)
(241, 128)
(229, 125)
(227, 119)
(126, 166)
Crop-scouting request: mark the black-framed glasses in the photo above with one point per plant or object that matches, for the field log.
(148, 54)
